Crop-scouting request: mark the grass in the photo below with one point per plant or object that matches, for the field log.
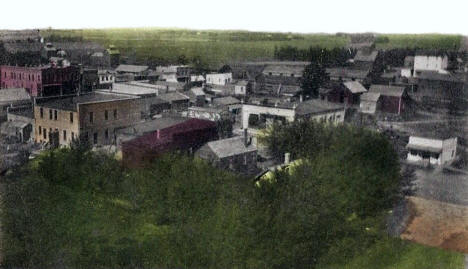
(423, 41)
(216, 48)
(398, 254)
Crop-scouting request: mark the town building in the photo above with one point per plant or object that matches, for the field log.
(180, 73)
(20, 124)
(348, 92)
(437, 63)
(347, 74)
(260, 115)
(197, 96)
(106, 78)
(114, 55)
(208, 113)
(432, 150)
(132, 72)
(80, 52)
(369, 102)
(236, 154)
(41, 80)
(392, 99)
(219, 78)
(14, 97)
(92, 117)
(144, 141)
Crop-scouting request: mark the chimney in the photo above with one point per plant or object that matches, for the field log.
(246, 140)
(287, 157)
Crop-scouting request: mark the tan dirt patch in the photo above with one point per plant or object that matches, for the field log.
(437, 224)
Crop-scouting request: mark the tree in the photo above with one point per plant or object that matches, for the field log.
(314, 77)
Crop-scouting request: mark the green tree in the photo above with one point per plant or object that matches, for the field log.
(313, 78)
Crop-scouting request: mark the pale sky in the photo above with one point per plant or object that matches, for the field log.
(331, 16)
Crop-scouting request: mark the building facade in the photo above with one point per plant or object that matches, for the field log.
(434, 151)
(42, 80)
(93, 117)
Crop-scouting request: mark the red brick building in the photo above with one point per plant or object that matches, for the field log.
(145, 141)
(41, 80)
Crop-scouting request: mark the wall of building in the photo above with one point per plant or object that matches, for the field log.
(128, 113)
(368, 107)
(219, 79)
(248, 109)
(449, 150)
(63, 122)
(430, 63)
(29, 78)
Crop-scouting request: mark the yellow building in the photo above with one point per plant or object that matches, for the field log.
(94, 117)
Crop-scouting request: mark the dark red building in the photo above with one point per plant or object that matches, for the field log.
(393, 99)
(348, 92)
(143, 142)
(41, 80)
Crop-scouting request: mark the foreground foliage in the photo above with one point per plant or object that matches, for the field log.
(79, 209)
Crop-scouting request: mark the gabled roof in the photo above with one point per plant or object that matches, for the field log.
(363, 56)
(370, 96)
(354, 86)
(395, 91)
(127, 68)
(230, 147)
(13, 95)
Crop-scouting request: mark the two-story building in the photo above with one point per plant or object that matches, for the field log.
(219, 78)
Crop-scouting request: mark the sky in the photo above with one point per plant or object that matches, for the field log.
(323, 16)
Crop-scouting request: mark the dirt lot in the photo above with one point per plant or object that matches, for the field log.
(437, 224)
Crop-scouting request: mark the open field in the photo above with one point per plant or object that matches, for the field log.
(423, 41)
(215, 48)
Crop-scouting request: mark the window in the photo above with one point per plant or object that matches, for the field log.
(115, 113)
(86, 138)
(106, 134)
(453, 152)
(292, 75)
(40, 130)
(73, 136)
(95, 136)
(245, 159)
(44, 133)
(64, 135)
(106, 115)
(41, 110)
(71, 117)
(50, 114)
(91, 117)
(55, 114)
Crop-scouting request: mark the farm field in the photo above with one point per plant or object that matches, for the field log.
(215, 48)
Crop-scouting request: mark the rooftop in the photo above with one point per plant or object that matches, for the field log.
(230, 147)
(363, 56)
(173, 96)
(13, 95)
(297, 70)
(126, 88)
(71, 103)
(386, 90)
(152, 125)
(228, 100)
(354, 86)
(127, 68)
(315, 106)
(347, 73)
(370, 96)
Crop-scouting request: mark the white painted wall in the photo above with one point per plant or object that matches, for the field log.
(219, 78)
(430, 63)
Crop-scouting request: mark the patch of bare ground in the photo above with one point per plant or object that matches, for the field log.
(437, 224)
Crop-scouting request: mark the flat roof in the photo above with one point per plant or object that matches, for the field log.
(125, 88)
(71, 102)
